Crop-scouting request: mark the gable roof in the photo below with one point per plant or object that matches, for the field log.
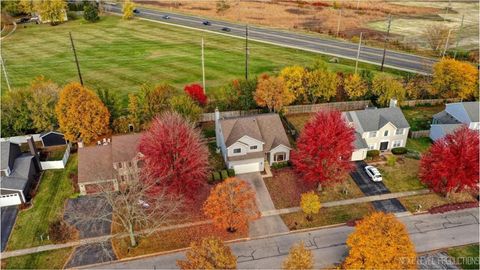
(125, 147)
(445, 118)
(20, 173)
(374, 119)
(8, 149)
(472, 110)
(267, 128)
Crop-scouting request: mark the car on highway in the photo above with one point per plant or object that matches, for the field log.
(226, 29)
(373, 173)
(136, 11)
(166, 17)
(206, 23)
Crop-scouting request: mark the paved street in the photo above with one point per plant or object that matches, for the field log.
(368, 187)
(428, 232)
(313, 43)
(8, 216)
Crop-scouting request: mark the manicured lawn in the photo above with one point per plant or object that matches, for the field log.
(431, 200)
(402, 176)
(55, 188)
(53, 259)
(328, 216)
(420, 145)
(286, 188)
(466, 256)
(170, 240)
(420, 117)
(122, 55)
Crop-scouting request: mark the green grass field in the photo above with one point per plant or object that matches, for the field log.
(55, 188)
(54, 259)
(467, 256)
(121, 55)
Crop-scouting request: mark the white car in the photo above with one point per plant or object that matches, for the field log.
(373, 173)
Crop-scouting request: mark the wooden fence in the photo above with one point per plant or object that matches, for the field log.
(416, 102)
(341, 106)
(419, 133)
(207, 117)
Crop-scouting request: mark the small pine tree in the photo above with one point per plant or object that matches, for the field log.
(90, 11)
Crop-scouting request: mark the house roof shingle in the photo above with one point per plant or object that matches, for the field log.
(125, 147)
(374, 119)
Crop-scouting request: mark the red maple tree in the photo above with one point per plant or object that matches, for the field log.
(324, 149)
(174, 156)
(451, 163)
(195, 91)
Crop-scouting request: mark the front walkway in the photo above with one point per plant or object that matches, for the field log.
(264, 225)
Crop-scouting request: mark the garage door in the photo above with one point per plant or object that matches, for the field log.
(246, 168)
(10, 199)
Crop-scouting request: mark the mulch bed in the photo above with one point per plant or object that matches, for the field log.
(452, 207)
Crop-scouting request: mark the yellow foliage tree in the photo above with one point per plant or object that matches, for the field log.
(42, 103)
(294, 79)
(81, 114)
(231, 205)
(380, 241)
(26, 6)
(210, 253)
(298, 258)
(452, 79)
(310, 204)
(272, 93)
(127, 9)
(320, 83)
(53, 11)
(387, 87)
(355, 86)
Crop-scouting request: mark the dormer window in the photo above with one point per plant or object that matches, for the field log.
(253, 147)
(237, 150)
(385, 133)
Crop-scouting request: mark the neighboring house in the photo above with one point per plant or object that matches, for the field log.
(248, 142)
(454, 116)
(377, 129)
(52, 138)
(111, 163)
(17, 173)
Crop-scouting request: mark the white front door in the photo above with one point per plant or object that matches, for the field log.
(247, 168)
(10, 199)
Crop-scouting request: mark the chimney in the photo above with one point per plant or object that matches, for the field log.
(393, 103)
(34, 152)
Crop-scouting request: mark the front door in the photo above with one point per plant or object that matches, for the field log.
(383, 146)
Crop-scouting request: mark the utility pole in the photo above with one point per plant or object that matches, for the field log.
(358, 51)
(203, 68)
(339, 19)
(386, 40)
(446, 43)
(458, 37)
(247, 52)
(5, 73)
(76, 59)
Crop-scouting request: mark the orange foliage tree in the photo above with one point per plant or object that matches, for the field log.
(81, 114)
(380, 241)
(231, 205)
(272, 93)
(210, 253)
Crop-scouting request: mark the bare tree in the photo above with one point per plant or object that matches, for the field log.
(436, 36)
(132, 209)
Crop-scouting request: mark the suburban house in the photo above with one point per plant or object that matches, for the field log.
(247, 142)
(454, 116)
(377, 129)
(109, 163)
(18, 172)
(52, 138)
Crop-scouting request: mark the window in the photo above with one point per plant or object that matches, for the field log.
(397, 143)
(373, 134)
(399, 131)
(253, 147)
(237, 150)
(119, 165)
(130, 164)
(278, 157)
(385, 134)
(371, 147)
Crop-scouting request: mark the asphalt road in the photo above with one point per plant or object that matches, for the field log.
(393, 59)
(428, 232)
(369, 188)
(7, 215)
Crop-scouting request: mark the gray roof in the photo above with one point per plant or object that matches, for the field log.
(14, 183)
(450, 128)
(5, 149)
(19, 177)
(445, 118)
(374, 119)
(267, 128)
(472, 110)
(359, 142)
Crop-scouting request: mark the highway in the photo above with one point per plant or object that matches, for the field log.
(317, 44)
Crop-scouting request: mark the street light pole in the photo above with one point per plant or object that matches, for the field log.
(358, 52)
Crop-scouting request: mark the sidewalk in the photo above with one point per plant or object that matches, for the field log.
(266, 213)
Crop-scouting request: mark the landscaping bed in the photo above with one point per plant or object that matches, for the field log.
(52, 259)
(403, 176)
(431, 200)
(328, 216)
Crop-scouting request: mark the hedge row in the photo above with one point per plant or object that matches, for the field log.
(219, 176)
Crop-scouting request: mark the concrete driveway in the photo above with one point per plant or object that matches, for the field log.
(8, 215)
(264, 225)
(368, 187)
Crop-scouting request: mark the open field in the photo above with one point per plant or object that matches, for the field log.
(55, 188)
(122, 55)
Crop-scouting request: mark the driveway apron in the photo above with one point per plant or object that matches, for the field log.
(368, 187)
(264, 225)
(8, 216)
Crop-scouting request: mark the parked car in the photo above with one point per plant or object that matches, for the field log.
(166, 17)
(373, 173)
(136, 11)
(23, 20)
(206, 23)
(226, 29)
